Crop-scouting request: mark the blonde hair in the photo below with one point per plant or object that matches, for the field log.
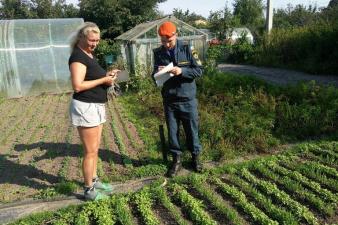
(83, 31)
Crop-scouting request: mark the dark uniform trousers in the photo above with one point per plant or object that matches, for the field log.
(184, 113)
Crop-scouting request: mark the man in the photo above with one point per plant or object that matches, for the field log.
(179, 95)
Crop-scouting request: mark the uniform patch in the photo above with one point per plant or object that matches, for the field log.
(195, 55)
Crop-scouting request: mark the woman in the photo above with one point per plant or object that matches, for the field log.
(87, 109)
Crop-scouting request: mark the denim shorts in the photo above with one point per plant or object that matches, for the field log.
(84, 114)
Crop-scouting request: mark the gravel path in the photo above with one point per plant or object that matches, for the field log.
(278, 76)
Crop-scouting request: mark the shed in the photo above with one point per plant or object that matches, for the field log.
(235, 33)
(34, 55)
(138, 43)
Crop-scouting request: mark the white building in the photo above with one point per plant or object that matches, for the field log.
(235, 33)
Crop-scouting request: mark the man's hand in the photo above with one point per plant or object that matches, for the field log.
(160, 68)
(176, 71)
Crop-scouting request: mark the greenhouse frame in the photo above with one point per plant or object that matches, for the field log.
(138, 43)
(34, 55)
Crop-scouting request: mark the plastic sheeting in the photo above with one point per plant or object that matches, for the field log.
(34, 55)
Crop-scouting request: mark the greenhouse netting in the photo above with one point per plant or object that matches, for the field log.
(34, 55)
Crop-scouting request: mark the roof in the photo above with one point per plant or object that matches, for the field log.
(239, 31)
(140, 29)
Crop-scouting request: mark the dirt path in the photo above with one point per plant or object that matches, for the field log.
(278, 76)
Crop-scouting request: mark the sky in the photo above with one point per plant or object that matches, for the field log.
(203, 7)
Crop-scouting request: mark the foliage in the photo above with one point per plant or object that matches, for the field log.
(37, 9)
(302, 111)
(120, 206)
(188, 17)
(242, 51)
(249, 12)
(220, 21)
(311, 49)
(281, 196)
(256, 214)
(245, 109)
(297, 16)
(144, 206)
(107, 47)
(215, 55)
(199, 183)
(63, 188)
(115, 17)
(292, 186)
(194, 207)
(274, 211)
(331, 12)
(163, 198)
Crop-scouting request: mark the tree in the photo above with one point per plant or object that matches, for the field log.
(116, 16)
(187, 17)
(330, 13)
(14, 9)
(333, 4)
(25, 9)
(70, 11)
(220, 21)
(297, 16)
(249, 12)
(53, 9)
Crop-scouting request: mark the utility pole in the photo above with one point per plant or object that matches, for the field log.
(269, 15)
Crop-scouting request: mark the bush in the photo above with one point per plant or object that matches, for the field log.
(240, 52)
(106, 47)
(312, 49)
(307, 110)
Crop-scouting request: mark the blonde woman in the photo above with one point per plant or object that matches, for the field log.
(87, 109)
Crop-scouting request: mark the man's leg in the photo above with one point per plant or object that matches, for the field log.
(173, 136)
(190, 124)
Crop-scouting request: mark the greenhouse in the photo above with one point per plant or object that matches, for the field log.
(34, 55)
(138, 43)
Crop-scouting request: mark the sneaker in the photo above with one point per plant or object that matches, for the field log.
(91, 194)
(100, 186)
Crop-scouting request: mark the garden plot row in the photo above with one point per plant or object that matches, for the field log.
(287, 189)
(40, 148)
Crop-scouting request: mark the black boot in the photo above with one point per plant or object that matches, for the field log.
(196, 164)
(176, 167)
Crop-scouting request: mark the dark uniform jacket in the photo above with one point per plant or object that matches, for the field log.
(182, 87)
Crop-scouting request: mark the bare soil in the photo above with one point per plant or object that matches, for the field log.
(38, 143)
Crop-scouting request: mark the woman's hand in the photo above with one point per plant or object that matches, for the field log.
(111, 76)
(113, 73)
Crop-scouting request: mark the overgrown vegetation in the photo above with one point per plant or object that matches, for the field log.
(243, 114)
(312, 48)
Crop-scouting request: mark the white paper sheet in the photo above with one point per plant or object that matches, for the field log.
(163, 75)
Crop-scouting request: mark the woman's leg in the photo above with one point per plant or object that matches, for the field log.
(89, 138)
(98, 146)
